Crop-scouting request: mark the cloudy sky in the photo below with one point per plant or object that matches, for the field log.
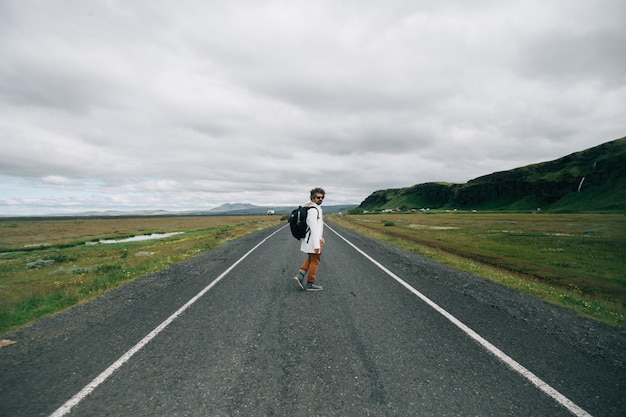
(189, 104)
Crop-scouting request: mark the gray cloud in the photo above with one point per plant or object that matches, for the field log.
(155, 104)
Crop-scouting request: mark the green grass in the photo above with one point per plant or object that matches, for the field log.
(45, 265)
(572, 260)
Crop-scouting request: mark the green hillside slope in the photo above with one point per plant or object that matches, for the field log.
(590, 180)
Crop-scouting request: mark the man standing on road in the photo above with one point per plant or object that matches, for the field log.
(312, 243)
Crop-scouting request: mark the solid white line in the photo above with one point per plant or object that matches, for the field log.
(65, 408)
(535, 380)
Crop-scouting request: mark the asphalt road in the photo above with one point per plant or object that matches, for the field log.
(228, 334)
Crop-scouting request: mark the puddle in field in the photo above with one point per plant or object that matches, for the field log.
(136, 238)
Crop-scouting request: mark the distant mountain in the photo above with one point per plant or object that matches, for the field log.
(229, 207)
(97, 214)
(590, 180)
(240, 208)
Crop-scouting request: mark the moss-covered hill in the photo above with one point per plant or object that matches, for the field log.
(590, 180)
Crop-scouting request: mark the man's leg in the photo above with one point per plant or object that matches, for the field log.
(300, 280)
(313, 262)
(305, 266)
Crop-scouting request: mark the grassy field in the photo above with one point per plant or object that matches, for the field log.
(573, 260)
(47, 265)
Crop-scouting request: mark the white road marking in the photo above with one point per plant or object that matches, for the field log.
(535, 380)
(72, 402)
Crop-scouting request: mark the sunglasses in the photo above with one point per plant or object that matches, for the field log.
(319, 197)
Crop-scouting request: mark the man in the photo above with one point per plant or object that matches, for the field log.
(312, 243)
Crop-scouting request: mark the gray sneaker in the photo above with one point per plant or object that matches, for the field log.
(312, 287)
(298, 282)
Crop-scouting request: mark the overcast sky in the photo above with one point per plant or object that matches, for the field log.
(177, 105)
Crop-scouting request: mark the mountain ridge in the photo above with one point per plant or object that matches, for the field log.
(590, 180)
(227, 209)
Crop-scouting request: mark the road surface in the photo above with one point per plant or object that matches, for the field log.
(392, 334)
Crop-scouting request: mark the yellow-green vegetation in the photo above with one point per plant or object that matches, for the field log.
(47, 265)
(573, 260)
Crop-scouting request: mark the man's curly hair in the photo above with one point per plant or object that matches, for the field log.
(317, 190)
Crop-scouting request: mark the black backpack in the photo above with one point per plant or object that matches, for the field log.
(297, 221)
